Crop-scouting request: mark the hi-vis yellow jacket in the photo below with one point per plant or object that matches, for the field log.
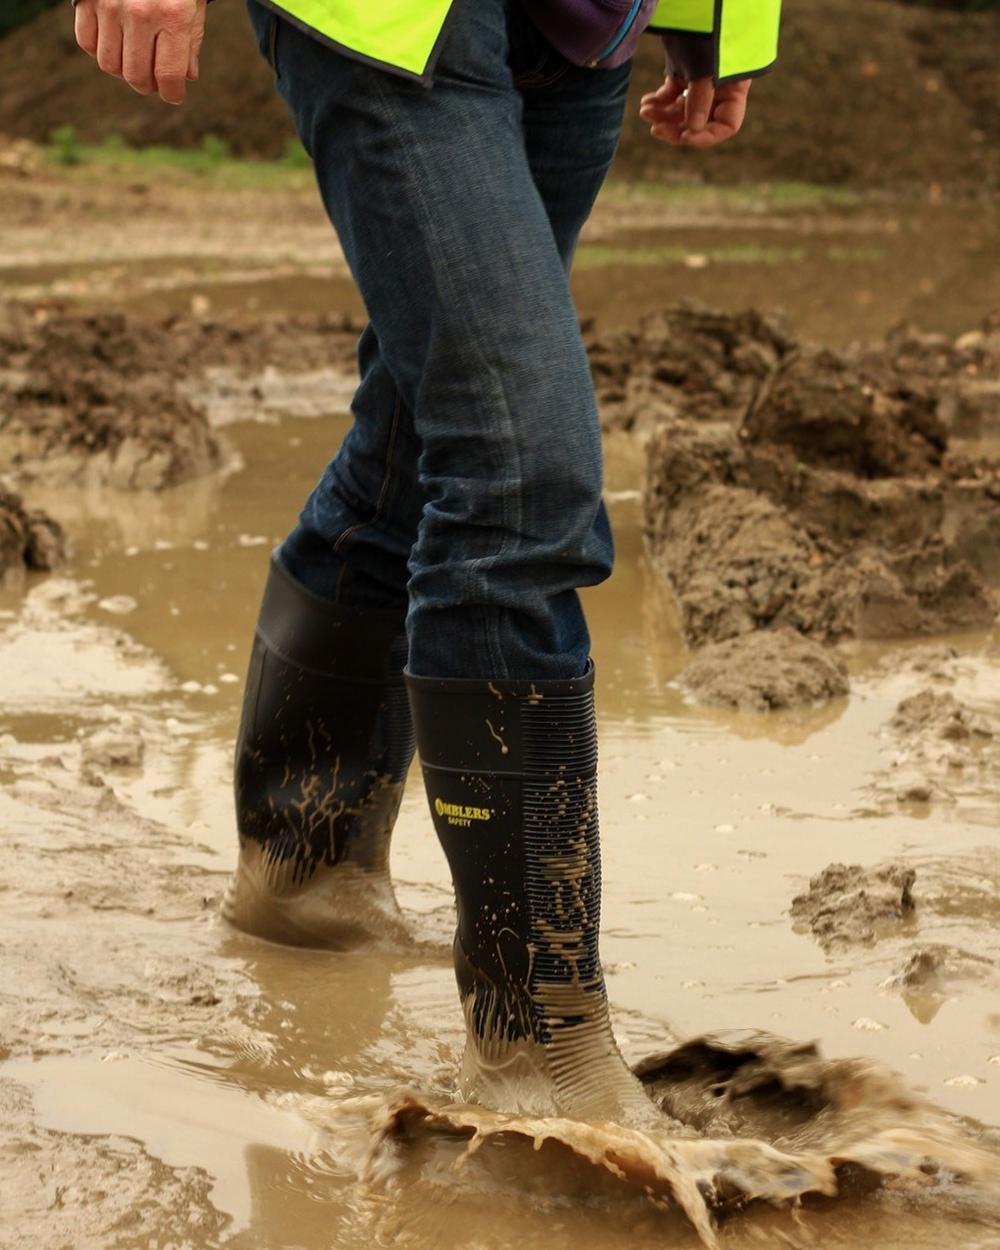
(740, 36)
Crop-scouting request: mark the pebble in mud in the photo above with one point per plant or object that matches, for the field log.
(849, 905)
(115, 746)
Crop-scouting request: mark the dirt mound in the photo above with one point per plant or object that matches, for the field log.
(850, 905)
(122, 401)
(865, 93)
(763, 672)
(28, 539)
(97, 397)
(818, 406)
(822, 498)
(687, 360)
(916, 99)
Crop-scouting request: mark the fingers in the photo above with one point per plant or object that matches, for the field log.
(197, 38)
(85, 27)
(153, 44)
(671, 90)
(170, 65)
(727, 117)
(696, 114)
(109, 42)
(678, 108)
(664, 110)
(139, 35)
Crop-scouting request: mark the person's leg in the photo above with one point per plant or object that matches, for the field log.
(352, 542)
(326, 737)
(572, 120)
(353, 538)
(433, 198)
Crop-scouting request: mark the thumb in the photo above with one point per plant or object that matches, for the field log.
(700, 97)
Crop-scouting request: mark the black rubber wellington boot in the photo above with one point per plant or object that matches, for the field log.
(511, 770)
(324, 745)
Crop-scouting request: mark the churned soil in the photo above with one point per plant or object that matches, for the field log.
(847, 905)
(766, 671)
(794, 488)
(865, 93)
(941, 749)
(29, 538)
(106, 397)
(96, 395)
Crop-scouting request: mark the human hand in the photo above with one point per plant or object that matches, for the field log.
(152, 44)
(696, 114)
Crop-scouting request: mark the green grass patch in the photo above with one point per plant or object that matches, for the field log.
(756, 197)
(211, 163)
(598, 255)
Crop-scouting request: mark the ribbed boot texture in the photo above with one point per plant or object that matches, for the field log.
(324, 745)
(511, 776)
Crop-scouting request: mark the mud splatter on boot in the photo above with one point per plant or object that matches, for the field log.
(324, 746)
(511, 776)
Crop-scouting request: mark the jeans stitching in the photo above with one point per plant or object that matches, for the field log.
(534, 79)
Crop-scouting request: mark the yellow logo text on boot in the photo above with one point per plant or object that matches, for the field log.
(460, 814)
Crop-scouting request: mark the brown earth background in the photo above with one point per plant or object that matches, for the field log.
(867, 93)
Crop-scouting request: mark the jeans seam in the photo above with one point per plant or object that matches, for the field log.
(439, 268)
(353, 530)
(534, 79)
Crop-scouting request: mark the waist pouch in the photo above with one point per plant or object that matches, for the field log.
(601, 34)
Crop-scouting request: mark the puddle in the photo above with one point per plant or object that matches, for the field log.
(168, 1082)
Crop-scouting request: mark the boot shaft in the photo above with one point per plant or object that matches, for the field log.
(325, 736)
(510, 770)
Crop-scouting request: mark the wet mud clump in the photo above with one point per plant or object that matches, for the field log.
(794, 488)
(940, 748)
(686, 361)
(853, 906)
(95, 398)
(964, 373)
(766, 671)
(29, 538)
(747, 1116)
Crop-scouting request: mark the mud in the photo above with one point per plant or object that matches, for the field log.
(166, 1079)
(796, 488)
(767, 1120)
(29, 539)
(939, 748)
(686, 361)
(850, 905)
(765, 671)
(221, 1091)
(91, 399)
(107, 399)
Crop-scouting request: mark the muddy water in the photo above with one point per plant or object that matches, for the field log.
(169, 1082)
(165, 1081)
(843, 269)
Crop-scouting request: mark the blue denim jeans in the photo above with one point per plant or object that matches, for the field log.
(469, 488)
